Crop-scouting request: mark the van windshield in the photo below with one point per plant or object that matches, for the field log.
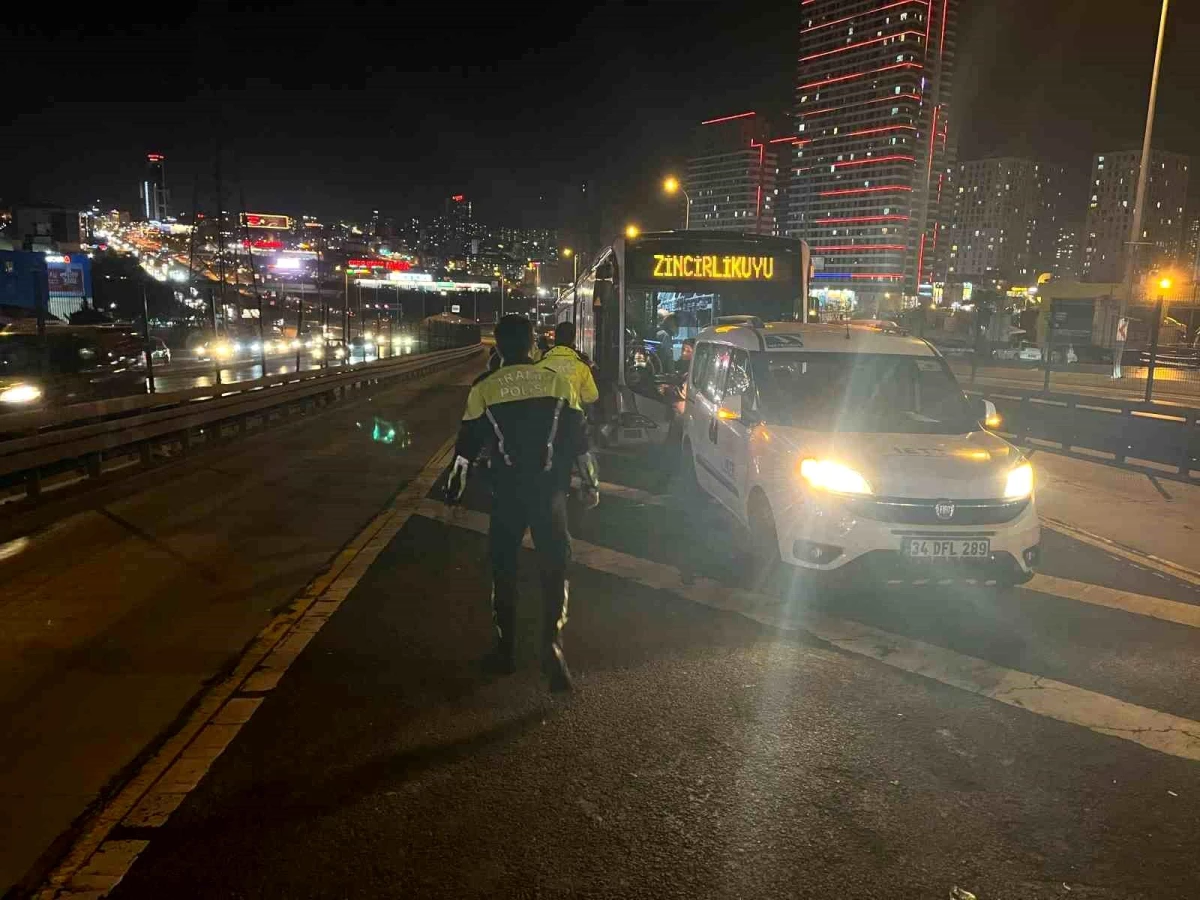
(862, 392)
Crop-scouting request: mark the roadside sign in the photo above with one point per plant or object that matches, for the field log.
(455, 308)
(1122, 330)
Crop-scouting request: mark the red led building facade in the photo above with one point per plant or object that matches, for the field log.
(873, 142)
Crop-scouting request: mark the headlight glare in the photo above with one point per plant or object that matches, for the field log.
(827, 475)
(21, 393)
(1019, 483)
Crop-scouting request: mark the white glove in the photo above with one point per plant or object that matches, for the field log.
(589, 481)
(456, 481)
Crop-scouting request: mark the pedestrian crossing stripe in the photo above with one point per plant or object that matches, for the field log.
(1155, 730)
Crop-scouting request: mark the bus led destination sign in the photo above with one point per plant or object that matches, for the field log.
(714, 266)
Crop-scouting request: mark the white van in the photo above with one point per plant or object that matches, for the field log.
(850, 450)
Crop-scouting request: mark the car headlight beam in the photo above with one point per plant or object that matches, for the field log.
(1019, 483)
(21, 393)
(827, 475)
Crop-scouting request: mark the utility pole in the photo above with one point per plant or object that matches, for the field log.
(324, 309)
(262, 344)
(146, 339)
(220, 237)
(1139, 202)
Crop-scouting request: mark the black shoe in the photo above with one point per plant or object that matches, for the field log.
(554, 665)
(500, 661)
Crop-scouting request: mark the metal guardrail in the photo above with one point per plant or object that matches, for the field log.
(85, 432)
(1112, 430)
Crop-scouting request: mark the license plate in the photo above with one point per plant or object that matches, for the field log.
(957, 548)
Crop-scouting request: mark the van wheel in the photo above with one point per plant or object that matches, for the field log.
(765, 564)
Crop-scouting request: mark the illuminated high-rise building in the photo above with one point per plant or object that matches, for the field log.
(1111, 198)
(872, 150)
(153, 192)
(732, 178)
(1003, 220)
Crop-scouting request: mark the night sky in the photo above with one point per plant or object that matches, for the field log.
(337, 108)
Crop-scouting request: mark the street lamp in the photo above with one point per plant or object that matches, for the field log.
(632, 231)
(671, 185)
(1160, 313)
(1139, 200)
(570, 254)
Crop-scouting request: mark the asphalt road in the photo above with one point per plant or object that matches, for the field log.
(895, 742)
(117, 615)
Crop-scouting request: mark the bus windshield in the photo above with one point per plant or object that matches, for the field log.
(861, 392)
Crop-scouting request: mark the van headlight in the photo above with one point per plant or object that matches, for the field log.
(1020, 482)
(827, 475)
(21, 393)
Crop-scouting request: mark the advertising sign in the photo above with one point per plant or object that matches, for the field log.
(65, 280)
(266, 220)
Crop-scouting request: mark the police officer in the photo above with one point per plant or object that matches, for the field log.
(529, 420)
(569, 362)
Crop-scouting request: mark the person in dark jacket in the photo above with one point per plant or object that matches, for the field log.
(529, 420)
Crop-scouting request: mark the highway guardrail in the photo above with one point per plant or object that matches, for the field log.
(85, 434)
(1102, 428)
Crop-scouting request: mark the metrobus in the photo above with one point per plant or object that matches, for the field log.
(641, 300)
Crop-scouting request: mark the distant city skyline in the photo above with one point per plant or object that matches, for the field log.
(520, 112)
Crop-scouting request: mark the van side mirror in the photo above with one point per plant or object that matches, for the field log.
(730, 409)
(985, 412)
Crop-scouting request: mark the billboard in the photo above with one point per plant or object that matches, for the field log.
(266, 220)
(65, 280)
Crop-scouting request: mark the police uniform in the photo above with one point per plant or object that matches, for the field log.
(569, 362)
(528, 419)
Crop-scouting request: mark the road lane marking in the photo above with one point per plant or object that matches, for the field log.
(1191, 576)
(163, 782)
(1047, 697)
(1127, 601)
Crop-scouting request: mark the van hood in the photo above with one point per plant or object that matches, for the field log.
(972, 466)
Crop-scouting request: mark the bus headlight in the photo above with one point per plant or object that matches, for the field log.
(827, 475)
(21, 393)
(1020, 482)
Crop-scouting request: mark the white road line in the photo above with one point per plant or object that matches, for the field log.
(1098, 595)
(164, 781)
(1058, 700)
(1175, 570)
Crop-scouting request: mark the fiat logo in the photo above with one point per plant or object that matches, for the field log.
(944, 509)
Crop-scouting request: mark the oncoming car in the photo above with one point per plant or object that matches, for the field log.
(849, 451)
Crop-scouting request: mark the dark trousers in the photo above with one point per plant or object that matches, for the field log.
(542, 509)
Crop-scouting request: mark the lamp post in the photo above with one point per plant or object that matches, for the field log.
(1139, 202)
(632, 231)
(574, 257)
(1163, 286)
(671, 185)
